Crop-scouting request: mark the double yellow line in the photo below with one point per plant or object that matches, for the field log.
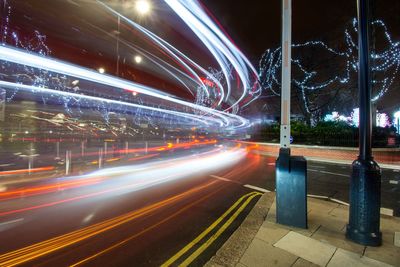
(244, 201)
(46, 247)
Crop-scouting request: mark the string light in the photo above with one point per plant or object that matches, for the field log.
(385, 63)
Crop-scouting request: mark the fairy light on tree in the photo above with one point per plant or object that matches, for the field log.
(316, 91)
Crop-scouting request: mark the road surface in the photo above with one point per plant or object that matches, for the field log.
(176, 208)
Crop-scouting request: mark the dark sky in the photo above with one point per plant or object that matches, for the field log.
(256, 26)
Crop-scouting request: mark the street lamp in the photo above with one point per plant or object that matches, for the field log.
(143, 6)
(138, 59)
(101, 70)
(365, 182)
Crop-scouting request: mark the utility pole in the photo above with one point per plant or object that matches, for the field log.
(365, 181)
(291, 172)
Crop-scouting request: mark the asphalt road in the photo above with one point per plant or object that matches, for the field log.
(107, 223)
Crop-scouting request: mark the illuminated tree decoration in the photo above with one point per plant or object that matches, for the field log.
(314, 78)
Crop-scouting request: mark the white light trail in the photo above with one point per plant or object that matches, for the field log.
(28, 59)
(218, 44)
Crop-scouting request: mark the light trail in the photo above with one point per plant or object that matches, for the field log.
(40, 249)
(218, 44)
(120, 180)
(22, 171)
(28, 59)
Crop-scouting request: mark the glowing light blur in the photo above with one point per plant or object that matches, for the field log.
(21, 57)
(126, 179)
(223, 50)
(143, 6)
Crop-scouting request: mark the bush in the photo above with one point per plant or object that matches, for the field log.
(324, 133)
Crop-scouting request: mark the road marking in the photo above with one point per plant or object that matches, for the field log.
(332, 173)
(318, 167)
(257, 188)
(37, 250)
(10, 222)
(317, 196)
(339, 201)
(144, 231)
(214, 237)
(221, 178)
(393, 182)
(195, 254)
(260, 189)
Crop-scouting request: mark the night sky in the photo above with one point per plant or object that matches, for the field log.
(256, 26)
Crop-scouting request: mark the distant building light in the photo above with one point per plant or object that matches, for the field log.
(101, 70)
(26, 132)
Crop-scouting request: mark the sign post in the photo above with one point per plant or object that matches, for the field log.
(291, 171)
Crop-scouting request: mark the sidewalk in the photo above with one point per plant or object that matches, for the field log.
(259, 241)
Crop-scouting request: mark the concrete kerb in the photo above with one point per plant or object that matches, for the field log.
(332, 161)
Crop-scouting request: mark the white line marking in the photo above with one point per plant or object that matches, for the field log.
(332, 173)
(386, 211)
(318, 167)
(317, 196)
(13, 221)
(221, 178)
(339, 201)
(393, 182)
(7, 164)
(257, 188)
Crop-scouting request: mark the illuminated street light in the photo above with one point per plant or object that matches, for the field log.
(143, 6)
(101, 70)
(138, 59)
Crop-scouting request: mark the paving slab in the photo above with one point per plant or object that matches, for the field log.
(271, 232)
(336, 238)
(346, 258)
(397, 239)
(303, 263)
(387, 253)
(260, 254)
(260, 241)
(306, 248)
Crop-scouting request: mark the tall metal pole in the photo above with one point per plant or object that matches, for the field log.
(286, 73)
(365, 182)
(291, 172)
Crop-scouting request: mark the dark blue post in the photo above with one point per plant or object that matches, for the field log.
(365, 182)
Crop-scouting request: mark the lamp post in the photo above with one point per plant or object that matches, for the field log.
(365, 182)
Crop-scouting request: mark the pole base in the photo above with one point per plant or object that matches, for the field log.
(291, 190)
(366, 239)
(365, 203)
